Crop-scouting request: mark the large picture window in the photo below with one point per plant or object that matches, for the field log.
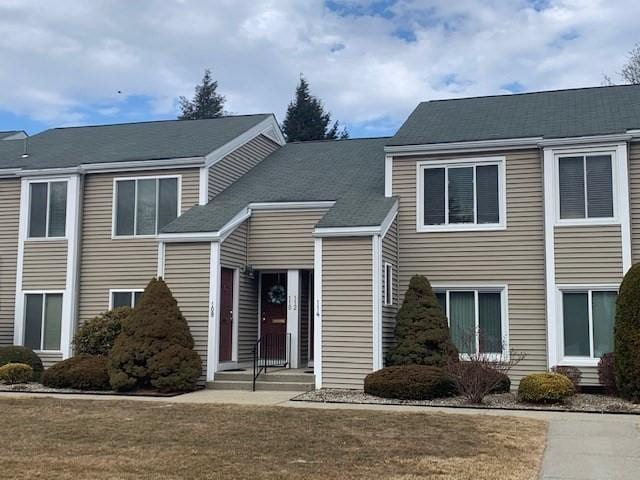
(588, 317)
(585, 184)
(461, 195)
(43, 321)
(476, 319)
(47, 209)
(143, 206)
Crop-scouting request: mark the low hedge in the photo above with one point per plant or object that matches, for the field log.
(503, 385)
(410, 382)
(18, 354)
(96, 336)
(13, 373)
(83, 372)
(545, 388)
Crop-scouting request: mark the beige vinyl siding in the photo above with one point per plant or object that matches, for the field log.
(282, 239)
(237, 163)
(122, 262)
(390, 255)
(186, 271)
(634, 200)
(49, 358)
(9, 225)
(233, 254)
(588, 254)
(45, 265)
(513, 257)
(347, 311)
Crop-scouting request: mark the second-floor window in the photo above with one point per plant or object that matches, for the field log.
(143, 206)
(47, 209)
(461, 195)
(585, 186)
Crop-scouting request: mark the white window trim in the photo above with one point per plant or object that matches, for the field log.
(46, 237)
(24, 317)
(462, 227)
(616, 180)
(503, 289)
(589, 289)
(135, 212)
(123, 290)
(388, 284)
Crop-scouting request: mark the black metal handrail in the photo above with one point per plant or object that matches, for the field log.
(271, 350)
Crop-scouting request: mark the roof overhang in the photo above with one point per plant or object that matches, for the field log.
(365, 231)
(507, 144)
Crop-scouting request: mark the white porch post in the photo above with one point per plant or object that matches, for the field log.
(214, 311)
(293, 314)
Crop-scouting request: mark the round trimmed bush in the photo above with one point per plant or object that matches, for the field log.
(83, 372)
(18, 354)
(96, 336)
(410, 382)
(13, 373)
(545, 388)
(503, 385)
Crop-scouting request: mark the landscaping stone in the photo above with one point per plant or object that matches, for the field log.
(582, 402)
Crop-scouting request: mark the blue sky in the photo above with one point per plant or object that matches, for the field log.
(73, 62)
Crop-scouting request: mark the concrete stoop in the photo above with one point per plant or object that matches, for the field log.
(279, 380)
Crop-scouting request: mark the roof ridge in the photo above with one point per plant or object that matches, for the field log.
(328, 140)
(537, 92)
(156, 121)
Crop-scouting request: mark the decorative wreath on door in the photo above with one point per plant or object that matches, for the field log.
(277, 295)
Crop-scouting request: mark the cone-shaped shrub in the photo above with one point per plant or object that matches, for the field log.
(156, 326)
(627, 336)
(422, 332)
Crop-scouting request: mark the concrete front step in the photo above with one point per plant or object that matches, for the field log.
(269, 377)
(271, 385)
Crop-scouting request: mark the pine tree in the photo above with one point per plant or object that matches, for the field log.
(155, 347)
(206, 103)
(422, 332)
(627, 336)
(306, 119)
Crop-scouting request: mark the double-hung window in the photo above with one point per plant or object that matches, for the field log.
(461, 195)
(47, 209)
(587, 322)
(43, 321)
(125, 298)
(476, 319)
(585, 185)
(143, 206)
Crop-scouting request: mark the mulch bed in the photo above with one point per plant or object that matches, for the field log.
(581, 402)
(39, 388)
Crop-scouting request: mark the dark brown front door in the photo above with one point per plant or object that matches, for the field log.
(226, 314)
(273, 309)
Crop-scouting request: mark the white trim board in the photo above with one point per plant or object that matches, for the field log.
(213, 329)
(317, 321)
(376, 249)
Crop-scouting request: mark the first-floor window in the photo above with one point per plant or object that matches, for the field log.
(124, 298)
(475, 319)
(43, 320)
(588, 318)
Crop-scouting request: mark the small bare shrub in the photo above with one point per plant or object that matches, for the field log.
(572, 373)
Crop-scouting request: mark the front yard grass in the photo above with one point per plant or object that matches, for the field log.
(79, 439)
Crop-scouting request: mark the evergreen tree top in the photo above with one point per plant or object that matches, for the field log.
(206, 103)
(307, 120)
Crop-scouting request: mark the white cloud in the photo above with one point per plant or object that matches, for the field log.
(59, 58)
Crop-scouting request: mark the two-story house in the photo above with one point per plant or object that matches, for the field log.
(522, 210)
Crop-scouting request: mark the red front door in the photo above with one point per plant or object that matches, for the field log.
(226, 314)
(273, 309)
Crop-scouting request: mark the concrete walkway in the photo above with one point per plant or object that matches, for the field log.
(580, 446)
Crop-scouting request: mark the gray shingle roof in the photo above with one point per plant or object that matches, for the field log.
(349, 172)
(9, 133)
(68, 147)
(552, 114)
